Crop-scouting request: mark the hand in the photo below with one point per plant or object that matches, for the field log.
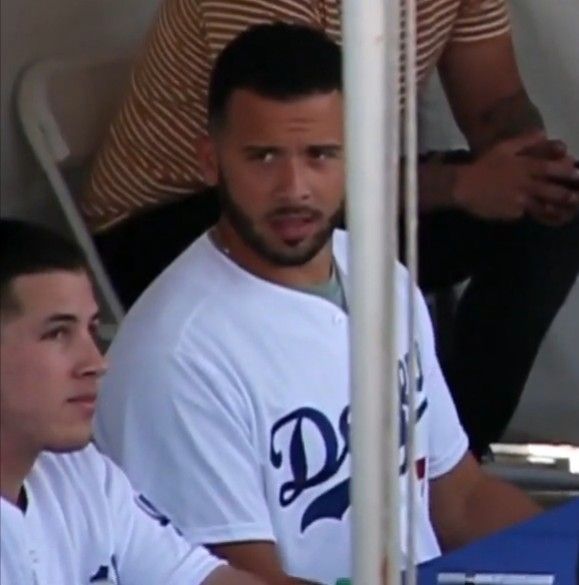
(519, 176)
(552, 150)
(545, 149)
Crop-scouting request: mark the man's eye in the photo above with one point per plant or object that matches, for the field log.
(265, 156)
(59, 333)
(323, 153)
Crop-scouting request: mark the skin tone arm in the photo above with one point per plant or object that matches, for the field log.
(229, 576)
(467, 504)
(258, 558)
(494, 112)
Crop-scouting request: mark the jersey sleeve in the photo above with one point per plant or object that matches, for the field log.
(447, 441)
(148, 550)
(479, 20)
(188, 443)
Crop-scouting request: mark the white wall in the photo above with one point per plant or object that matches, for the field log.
(549, 56)
(34, 29)
(547, 43)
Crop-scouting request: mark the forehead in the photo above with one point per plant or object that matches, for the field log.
(251, 116)
(41, 294)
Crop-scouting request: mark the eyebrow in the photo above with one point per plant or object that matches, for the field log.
(253, 148)
(326, 146)
(256, 148)
(68, 318)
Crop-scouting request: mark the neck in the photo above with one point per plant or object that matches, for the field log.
(14, 467)
(316, 271)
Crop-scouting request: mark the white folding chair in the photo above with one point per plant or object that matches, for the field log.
(65, 107)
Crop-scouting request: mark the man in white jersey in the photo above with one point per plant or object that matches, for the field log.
(68, 514)
(228, 400)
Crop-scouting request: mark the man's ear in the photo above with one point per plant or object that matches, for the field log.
(208, 162)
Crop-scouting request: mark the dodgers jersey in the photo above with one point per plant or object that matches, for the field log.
(227, 403)
(82, 525)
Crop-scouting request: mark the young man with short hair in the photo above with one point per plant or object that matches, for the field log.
(228, 399)
(68, 514)
(491, 216)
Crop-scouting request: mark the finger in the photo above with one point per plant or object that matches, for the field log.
(551, 210)
(549, 193)
(546, 149)
(562, 172)
(519, 144)
(548, 214)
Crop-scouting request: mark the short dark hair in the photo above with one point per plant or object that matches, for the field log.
(27, 248)
(280, 61)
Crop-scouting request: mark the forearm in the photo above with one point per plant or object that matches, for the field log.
(447, 182)
(491, 507)
(441, 180)
(258, 558)
(436, 184)
(505, 118)
(230, 576)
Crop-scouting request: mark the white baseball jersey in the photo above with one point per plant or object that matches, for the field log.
(83, 525)
(227, 403)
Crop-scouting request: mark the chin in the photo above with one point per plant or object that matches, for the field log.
(70, 442)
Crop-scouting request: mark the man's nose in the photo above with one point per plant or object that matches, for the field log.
(93, 362)
(293, 179)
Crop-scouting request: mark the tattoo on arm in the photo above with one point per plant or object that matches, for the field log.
(436, 182)
(510, 117)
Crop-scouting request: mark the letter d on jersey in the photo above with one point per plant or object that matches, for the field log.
(335, 501)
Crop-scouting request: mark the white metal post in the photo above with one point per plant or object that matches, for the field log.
(409, 141)
(371, 69)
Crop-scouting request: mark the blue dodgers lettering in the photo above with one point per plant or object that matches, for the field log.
(404, 389)
(335, 501)
(297, 451)
(106, 575)
(147, 506)
(101, 575)
(331, 504)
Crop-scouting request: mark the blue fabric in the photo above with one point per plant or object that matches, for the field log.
(548, 544)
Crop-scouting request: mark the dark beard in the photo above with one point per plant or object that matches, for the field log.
(245, 230)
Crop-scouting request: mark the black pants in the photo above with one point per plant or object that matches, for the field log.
(137, 250)
(520, 274)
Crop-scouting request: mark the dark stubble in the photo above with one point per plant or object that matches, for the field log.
(293, 254)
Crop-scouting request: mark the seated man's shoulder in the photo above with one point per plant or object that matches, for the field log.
(86, 466)
(184, 292)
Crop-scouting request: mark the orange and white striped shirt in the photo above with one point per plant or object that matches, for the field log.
(149, 154)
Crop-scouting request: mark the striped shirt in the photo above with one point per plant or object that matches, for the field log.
(149, 155)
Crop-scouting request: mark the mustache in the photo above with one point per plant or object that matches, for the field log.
(299, 211)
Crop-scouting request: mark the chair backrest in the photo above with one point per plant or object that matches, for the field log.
(65, 107)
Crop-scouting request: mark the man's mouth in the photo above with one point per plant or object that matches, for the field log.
(87, 402)
(294, 226)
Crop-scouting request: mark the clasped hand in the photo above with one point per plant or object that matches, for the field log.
(527, 175)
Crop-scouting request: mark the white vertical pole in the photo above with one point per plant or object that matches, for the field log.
(371, 69)
(411, 221)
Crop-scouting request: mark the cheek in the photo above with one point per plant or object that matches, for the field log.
(251, 189)
(331, 185)
(27, 381)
